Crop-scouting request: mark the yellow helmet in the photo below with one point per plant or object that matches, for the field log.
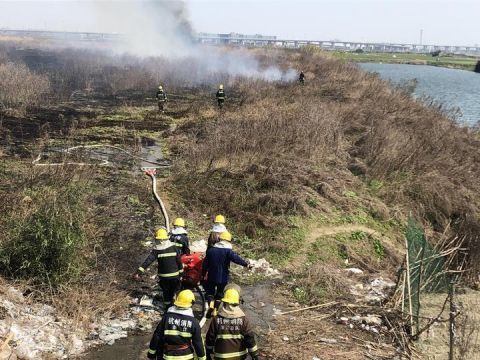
(185, 299)
(220, 86)
(220, 219)
(160, 87)
(161, 234)
(231, 296)
(226, 236)
(179, 222)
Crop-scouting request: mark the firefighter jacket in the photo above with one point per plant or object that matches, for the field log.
(217, 262)
(161, 95)
(180, 238)
(220, 95)
(231, 335)
(169, 263)
(177, 337)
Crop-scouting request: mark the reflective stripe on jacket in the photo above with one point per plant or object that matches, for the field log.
(168, 257)
(220, 95)
(182, 242)
(161, 95)
(230, 337)
(177, 337)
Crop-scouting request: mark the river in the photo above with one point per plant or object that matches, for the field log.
(452, 88)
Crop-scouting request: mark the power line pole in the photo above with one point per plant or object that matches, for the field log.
(421, 36)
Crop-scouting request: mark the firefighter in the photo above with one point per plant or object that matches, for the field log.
(179, 236)
(217, 265)
(161, 99)
(170, 266)
(231, 334)
(178, 335)
(220, 96)
(217, 229)
(301, 78)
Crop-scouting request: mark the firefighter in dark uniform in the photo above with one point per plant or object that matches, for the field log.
(301, 78)
(161, 99)
(179, 236)
(220, 96)
(178, 336)
(231, 334)
(170, 266)
(217, 265)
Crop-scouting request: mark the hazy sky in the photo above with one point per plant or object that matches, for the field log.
(453, 22)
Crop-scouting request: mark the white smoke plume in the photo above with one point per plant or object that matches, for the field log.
(162, 28)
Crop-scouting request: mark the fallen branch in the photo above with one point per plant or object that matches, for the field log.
(310, 308)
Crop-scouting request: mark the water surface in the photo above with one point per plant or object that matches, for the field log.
(452, 88)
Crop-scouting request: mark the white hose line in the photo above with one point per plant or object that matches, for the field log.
(151, 173)
(103, 163)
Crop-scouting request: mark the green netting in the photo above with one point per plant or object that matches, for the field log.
(426, 267)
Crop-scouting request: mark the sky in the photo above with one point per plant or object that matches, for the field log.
(444, 22)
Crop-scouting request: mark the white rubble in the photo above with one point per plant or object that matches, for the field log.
(262, 266)
(198, 246)
(354, 271)
(328, 341)
(37, 331)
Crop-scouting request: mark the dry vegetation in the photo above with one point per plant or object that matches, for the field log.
(287, 144)
(20, 87)
(344, 148)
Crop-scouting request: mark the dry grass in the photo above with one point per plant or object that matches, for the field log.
(21, 88)
(435, 343)
(260, 159)
(86, 305)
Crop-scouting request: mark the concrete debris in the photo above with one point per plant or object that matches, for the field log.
(315, 358)
(146, 301)
(328, 341)
(378, 291)
(354, 271)
(381, 284)
(198, 246)
(115, 330)
(372, 320)
(372, 293)
(372, 299)
(276, 311)
(285, 338)
(263, 267)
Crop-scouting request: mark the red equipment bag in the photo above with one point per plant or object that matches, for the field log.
(192, 269)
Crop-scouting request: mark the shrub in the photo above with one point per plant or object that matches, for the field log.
(20, 87)
(44, 246)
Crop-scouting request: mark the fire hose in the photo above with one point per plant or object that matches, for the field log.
(36, 162)
(152, 172)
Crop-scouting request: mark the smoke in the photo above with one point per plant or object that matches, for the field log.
(162, 29)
